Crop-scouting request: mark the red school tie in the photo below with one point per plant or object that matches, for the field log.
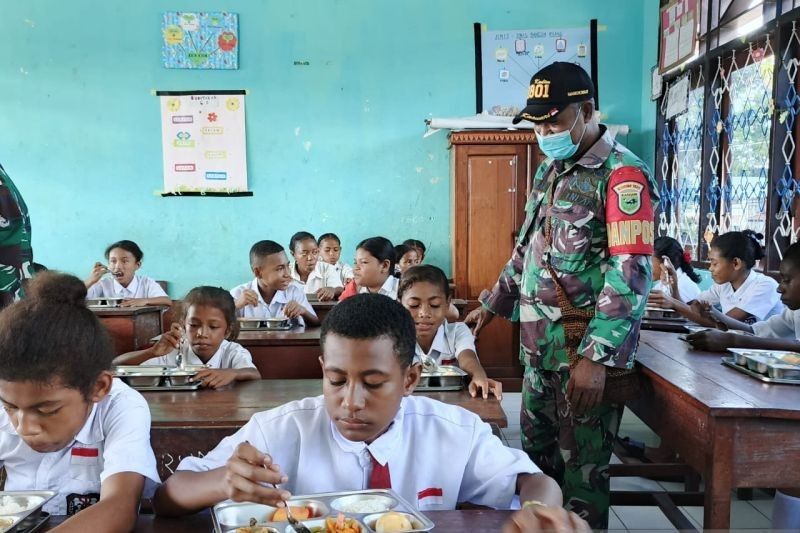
(379, 478)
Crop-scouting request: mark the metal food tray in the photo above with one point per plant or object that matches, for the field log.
(157, 378)
(783, 355)
(265, 324)
(164, 388)
(446, 378)
(32, 518)
(228, 516)
(657, 313)
(104, 302)
(729, 362)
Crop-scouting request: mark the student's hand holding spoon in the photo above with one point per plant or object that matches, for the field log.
(98, 271)
(248, 297)
(246, 474)
(169, 341)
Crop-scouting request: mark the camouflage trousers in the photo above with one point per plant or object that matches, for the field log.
(573, 450)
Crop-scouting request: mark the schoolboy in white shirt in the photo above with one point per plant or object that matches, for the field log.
(367, 431)
(273, 283)
(67, 425)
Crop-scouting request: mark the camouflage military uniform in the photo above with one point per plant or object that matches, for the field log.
(602, 233)
(16, 257)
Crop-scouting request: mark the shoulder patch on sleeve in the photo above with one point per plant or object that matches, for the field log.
(629, 212)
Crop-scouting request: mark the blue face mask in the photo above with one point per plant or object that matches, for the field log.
(559, 145)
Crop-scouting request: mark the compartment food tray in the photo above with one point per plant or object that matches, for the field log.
(30, 517)
(229, 516)
(446, 378)
(729, 362)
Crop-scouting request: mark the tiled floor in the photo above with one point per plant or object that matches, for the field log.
(746, 516)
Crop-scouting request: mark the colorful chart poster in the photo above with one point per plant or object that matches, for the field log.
(200, 40)
(510, 58)
(204, 143)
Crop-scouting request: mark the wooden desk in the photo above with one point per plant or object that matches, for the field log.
(446, 522)
(290, 354)
(735, 430)
(323, 308)
(131, 328)
(188, 423)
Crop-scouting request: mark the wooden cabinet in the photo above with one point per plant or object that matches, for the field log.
(491, 176)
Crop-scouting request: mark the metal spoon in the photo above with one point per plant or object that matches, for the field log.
(294, 522)
(429, 364)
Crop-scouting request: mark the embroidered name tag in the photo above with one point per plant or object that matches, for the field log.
(430, 496)
(84, 456)
(629, 213)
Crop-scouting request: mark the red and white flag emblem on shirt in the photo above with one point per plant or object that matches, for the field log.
(430, 496)
(84, 456)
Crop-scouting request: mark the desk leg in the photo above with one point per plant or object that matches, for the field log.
(719, 468)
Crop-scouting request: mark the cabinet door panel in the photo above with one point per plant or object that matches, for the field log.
(490, 188)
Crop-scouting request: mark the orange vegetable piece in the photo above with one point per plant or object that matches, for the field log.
(301, 513)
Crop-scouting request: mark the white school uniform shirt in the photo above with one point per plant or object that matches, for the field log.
(438, 454)
(389, 288)
(323, 275)
(294, 292)
(139, 287)
(757, 296)
(451, 339)
(688, 288)
(115, 438)
(783, 326)
(228, 355)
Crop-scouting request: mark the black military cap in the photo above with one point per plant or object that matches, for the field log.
(553, 88)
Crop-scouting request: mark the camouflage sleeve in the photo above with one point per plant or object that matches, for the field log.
(503, 299)
(613, 334)
(16, 256)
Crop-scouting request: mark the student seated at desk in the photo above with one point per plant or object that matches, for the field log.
(407, 257)
(742, 293)
(673, 272)
(419, 246)
(124, 259)
(330, 251)
(374, 269)
(273, 283)
(67, 424)
(317, 277)
(425, 292)
(368, 431)
(205, 337)
(779, 332)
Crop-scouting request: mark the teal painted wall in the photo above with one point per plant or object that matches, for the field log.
(333, 146)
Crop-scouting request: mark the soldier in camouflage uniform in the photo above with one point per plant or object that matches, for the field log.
(601, 215)
(16, 256)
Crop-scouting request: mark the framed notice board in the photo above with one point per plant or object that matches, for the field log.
(506, 60)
